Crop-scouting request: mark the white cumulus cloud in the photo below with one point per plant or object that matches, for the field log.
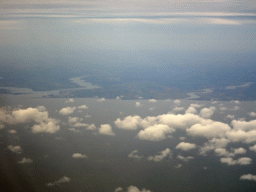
(106, 129)
(186, 146)
(79, 156)
(67, 110)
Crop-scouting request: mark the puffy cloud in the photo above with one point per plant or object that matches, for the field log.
(38, 115)
(253, 148)
(82, 107)
(152, 100)
(74, 130)
(134, 155)
(186, 146)
(207, 112)
(240, 161)
(118, 189)
(155, 132)
(91, 127)
(191, 110)
(79, 124)
(248, 177)
(178, 166)
(244, 125)
(25, 160)
(177, 102)
(15, 149)
(1, 126)
(186, 159)
(230, 116)
(224, 152)
(79, 156)
(62, 180)
(252, 114)
(214, 144)
(241, 136)
(72, 120)
(210, 130)
(132, 189)
(137, 104)
(163, 154)
(71, 100)
(177, 109)
(129, 122)
(67, 110)
(106, 129)
(195, 105)
(101, 100)
(239, 151)
(12, 131)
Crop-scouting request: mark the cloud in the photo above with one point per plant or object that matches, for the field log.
(185, 159)
(186, 146)
(253, 148)
(134, 155)
(152, 100)
(82, 107)
(62, 180)
(191, 110)
(177, 102)
(101, 100)
(25, 160)
(137, 104)
(178, 166)
(230, 116)
(240, 86)
(207, 112)
(71, 100)
(67, 110)
(78, 124)
(1, 126)
(244, 125)
(129, 122)
(248, 177)
(155, 132)
(252, 114)
(91, 127)
(210, 130)
(74, 130)
(15, 149)
(132, 189)
(214, 144)
(163, 154)
(12, 131)
(79, 156)
(72, 120)
(106, 129)
(241, 136)
(240, 161)
(177, 109)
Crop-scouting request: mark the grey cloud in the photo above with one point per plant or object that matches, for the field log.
(61, 180)
(248, 177)
(134, 155)
(15, 149)
(67, 110)
(240, 161)
(25, 160)
(163, 154)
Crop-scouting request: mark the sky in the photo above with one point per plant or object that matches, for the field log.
(193, 143)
